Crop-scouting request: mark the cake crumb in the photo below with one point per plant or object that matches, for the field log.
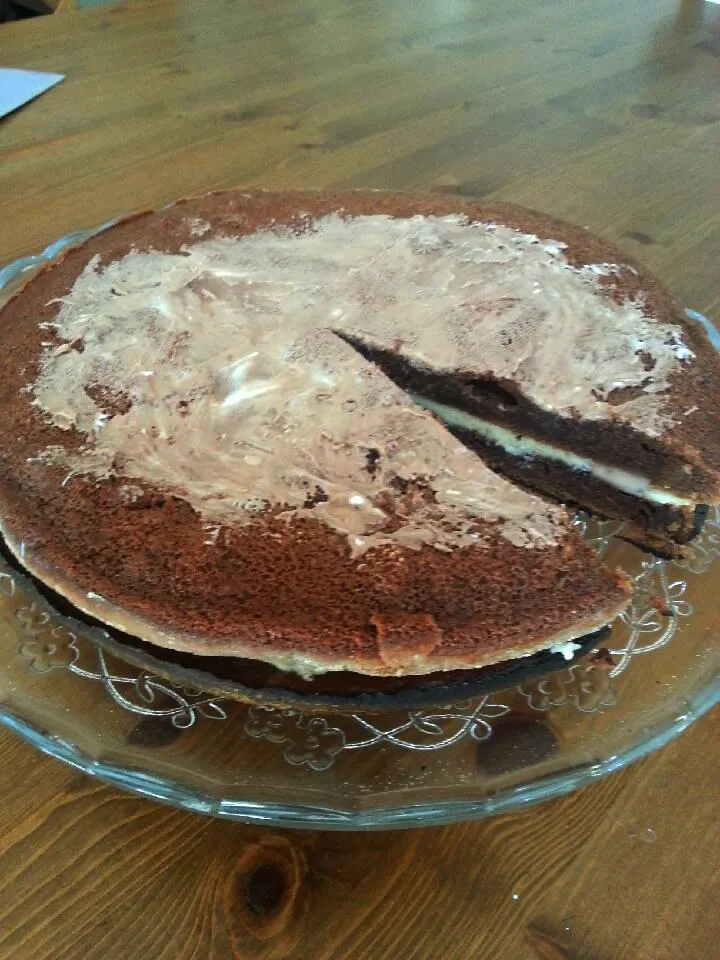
(601, 659)
(662, 606)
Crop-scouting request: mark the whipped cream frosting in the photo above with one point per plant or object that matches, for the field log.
(215, 372)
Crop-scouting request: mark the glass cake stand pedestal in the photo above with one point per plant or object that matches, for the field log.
(493, 754)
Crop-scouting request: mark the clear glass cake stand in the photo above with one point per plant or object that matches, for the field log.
(493, 754)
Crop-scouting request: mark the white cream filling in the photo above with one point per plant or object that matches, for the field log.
(308, 669)
(517, 445)
(567, 649)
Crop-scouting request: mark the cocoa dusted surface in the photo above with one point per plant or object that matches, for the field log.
(256, 681)
(294, 587)
(285, 589)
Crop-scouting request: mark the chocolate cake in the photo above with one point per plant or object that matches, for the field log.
(247, 426)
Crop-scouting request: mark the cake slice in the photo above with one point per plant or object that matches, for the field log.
(565, 367)
(190, 453)
(658, 489)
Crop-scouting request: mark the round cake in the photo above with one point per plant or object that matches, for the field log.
(333, 432)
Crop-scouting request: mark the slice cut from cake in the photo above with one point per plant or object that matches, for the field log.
(564, 366)
(198, 449)
(661, 492)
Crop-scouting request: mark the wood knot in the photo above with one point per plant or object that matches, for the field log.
(264, 896)
(264, 889)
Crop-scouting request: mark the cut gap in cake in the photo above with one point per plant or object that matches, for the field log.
(604, 467)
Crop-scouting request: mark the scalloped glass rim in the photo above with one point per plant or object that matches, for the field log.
(413, 815)
(305, 816)
(25, 265)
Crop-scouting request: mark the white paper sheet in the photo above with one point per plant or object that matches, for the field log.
(19, 86)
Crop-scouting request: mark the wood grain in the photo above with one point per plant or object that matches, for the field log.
(625, 869)
(601, 111)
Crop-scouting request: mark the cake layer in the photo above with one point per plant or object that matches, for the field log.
(293, 595)
(256, 681)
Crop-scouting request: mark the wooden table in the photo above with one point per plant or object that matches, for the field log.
(605, 112)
